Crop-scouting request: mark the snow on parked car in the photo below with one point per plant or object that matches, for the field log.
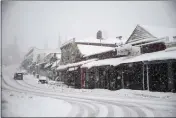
(43, 80)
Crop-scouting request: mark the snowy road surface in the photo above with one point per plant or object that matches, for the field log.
(28, 98)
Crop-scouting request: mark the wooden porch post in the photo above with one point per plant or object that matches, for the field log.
(170, 76)
(122, 80)
(148, 78)
(74, 77)
(86, 78)
(143, 69)
(81, 78)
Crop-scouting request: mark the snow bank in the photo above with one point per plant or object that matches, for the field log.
(146, 94)
(60, 87)
(24, 105)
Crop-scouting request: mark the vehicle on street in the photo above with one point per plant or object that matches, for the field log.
(18, 76)
(43, 80)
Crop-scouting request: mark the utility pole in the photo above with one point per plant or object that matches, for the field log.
(148, 85)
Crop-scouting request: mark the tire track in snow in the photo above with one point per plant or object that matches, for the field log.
(85, 112)
(131, 112)
(102, 107)
(87, 106)
(109, 112)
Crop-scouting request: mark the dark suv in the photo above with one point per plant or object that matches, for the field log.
(18, 76)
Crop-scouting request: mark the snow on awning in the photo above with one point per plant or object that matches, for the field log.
(104, 62)
(72, 68)
(161, 55)
(47, 65)
(62, 67)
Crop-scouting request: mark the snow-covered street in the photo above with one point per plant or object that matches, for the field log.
(28, 98)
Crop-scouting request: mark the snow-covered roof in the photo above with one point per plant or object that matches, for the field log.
(43, 78)
(159, 31)
(43, 52)
(104, 62)
(40, 63)
(58, 55)
(62, 67)
(47, 65)
(88, 50)
(160, 55)
(48, 51)
(104, 41)
(55, 63)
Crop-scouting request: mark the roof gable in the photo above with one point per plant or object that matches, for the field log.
(139, 33)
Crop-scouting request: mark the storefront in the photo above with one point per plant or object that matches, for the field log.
(154, 71)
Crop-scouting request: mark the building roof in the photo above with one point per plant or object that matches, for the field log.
(159, 31)
(104, 41)
(88, 50)
(151, 32)
(55, 63)
(58, 56)
(160, 55)
(169, 53)
(47, 65)
(104, 62)
(63, 67)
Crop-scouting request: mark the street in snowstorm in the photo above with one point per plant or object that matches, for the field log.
(88, 59)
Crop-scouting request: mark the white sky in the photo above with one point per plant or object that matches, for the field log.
(35, 23)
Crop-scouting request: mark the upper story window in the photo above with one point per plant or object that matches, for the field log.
(153, 47)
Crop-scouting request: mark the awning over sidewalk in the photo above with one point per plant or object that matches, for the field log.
(63, 67)
(72, 68)
(161, 55)
(104, 62)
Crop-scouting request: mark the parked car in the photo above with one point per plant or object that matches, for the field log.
(43, 80)
(18, 76)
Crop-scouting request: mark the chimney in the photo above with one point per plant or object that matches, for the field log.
(99, 35)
